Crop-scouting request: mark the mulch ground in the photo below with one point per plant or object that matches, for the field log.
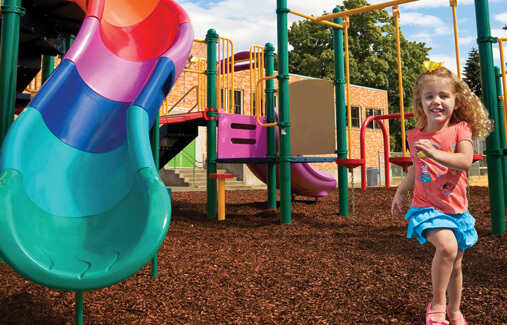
(320, 269)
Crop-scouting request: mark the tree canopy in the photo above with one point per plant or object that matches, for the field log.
(472, 73)
(372, 57)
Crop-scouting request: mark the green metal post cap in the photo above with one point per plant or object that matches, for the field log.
(212, 35)
(269, 48)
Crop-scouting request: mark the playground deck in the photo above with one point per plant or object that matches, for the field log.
(249, 269)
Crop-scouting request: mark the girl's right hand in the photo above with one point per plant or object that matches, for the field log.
(397, 206)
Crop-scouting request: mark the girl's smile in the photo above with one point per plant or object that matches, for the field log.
(438, 103)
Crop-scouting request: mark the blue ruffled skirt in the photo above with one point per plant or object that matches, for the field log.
(423, 219)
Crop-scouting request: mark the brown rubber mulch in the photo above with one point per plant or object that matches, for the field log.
(320, 269)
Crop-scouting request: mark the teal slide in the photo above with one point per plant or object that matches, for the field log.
(81, 203)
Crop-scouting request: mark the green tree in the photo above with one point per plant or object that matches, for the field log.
(472, 74)
(372, 58)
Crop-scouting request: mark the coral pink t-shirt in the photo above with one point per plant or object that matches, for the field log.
(436, 185)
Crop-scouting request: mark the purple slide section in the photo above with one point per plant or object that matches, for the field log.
(305, 179)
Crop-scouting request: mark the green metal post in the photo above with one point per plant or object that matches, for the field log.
(11, 16)
(212, 116)
(283, 110)
(494, 151)
(341, 125)
(501, 130)
(79, 308)
(269, 54)
(69, 40)
(155, 149)
(48, 66)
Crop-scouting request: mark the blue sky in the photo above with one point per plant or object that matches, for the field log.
(253, 22)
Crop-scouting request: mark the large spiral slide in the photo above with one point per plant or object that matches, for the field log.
(81, 203)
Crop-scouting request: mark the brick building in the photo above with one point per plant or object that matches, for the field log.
(364, 102)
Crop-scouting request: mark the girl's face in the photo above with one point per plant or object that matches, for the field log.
(438, 103)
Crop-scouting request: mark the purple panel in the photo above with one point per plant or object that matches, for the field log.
(121, 81)
(240, 136)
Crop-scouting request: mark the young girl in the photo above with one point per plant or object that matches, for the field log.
(448, 115)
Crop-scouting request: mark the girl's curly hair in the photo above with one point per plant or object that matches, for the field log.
(470, 110)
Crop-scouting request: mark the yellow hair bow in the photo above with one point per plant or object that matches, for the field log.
(429, 66)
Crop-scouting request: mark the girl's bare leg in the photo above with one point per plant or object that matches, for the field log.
(455, 288)
(445, 255)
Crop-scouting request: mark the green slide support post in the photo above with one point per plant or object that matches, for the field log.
(269, 54)
(501, 124)
(284, 120)
(494, 152)
(155, 149)
(11, 17)
(79, 308)
(48, 66)
(211, 117)
(341, 126)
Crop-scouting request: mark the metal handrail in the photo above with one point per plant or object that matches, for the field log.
(166, 112)
(194, 163)
(258, 99)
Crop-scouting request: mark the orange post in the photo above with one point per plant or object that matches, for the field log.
(221, 192)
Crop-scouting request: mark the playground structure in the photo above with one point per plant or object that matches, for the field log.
(285, 161)
(143, 103)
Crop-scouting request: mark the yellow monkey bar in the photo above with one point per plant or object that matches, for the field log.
(363, 9)
(315, 20)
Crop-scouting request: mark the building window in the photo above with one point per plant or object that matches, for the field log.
(355, 117)
(227, 102)
(373, 111)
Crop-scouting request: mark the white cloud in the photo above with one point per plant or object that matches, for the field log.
(500, 33)
(467, 40)
(437, 25)
(501, 17)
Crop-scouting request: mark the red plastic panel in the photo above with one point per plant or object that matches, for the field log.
(147, 39)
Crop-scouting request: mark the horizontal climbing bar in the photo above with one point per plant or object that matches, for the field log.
(315, 20)
(363, 9)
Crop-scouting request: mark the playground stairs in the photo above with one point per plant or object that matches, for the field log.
(190, 177)
(47, 28)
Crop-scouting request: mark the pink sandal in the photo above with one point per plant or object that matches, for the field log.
(457, 318)
(431, 321)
